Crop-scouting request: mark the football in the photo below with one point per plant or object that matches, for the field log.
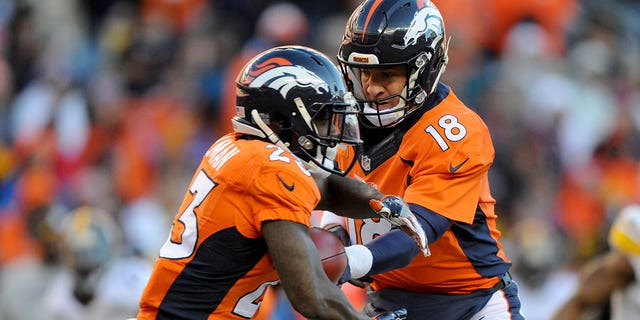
(331, 251)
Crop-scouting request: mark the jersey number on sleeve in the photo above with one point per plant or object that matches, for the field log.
(367, 229)
(453, 131)
(184, 232)
(276, 155)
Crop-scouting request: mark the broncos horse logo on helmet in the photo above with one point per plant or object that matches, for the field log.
(283, 78)
(296, 98)
(426, 19)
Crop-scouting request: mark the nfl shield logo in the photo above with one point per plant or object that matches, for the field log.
(365, 162)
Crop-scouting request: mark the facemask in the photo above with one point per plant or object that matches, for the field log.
(327, 162)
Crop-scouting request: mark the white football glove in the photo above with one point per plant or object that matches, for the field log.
(394, 209)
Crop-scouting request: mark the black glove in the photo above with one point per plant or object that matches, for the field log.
(392, 315)
(346, 276)
(340, 232)
(361, 282)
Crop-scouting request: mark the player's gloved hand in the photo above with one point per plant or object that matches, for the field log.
(394, 209)
(392, 315)
(346, 276)
(361, 283)
(340, 232)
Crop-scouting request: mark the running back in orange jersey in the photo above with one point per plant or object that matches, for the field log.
(215, 262)
(446, 140)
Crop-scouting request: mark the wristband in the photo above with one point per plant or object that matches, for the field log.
(360, 260)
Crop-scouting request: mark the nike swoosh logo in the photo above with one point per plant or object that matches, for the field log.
(453, 169)
(289, 187)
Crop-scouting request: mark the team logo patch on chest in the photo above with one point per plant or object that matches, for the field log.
(365, 163)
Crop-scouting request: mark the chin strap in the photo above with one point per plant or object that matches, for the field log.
(304, 113)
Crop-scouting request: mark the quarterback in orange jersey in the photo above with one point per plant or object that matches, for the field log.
(422, 144)
(243, 224)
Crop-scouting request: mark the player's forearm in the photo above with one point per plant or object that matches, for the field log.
(331, 305)
(301, 273)
(348, 197)
(572, 309)
(317, 298)
(602, 276)
(395, 249)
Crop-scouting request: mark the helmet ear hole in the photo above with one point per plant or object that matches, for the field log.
(280, 122)
(282, 126)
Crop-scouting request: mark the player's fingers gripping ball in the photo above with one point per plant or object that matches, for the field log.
(394, 209)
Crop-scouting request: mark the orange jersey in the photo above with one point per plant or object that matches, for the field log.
(440, 163)
(215, 262)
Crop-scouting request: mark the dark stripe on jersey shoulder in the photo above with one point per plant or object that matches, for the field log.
(441, 92)
(219, 262)
(480, 248)
(382, 143)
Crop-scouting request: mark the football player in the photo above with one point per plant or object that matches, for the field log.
(422, 144)
(611, 278)
(96, 279)
(244, 222)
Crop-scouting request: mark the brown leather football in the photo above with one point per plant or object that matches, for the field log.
(331, 251)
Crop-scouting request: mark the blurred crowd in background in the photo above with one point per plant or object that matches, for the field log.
(106, 107)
